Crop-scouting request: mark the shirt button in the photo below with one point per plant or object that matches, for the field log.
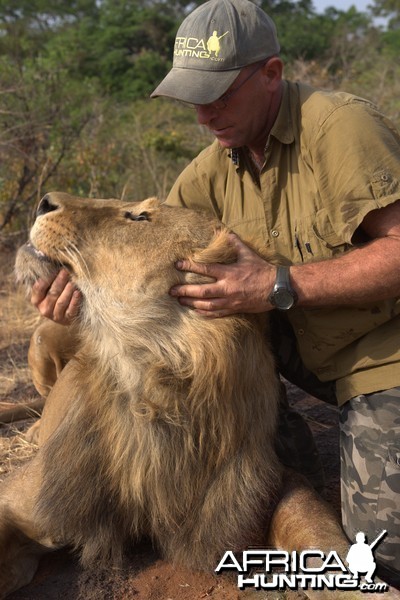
(300, 331)
(275, 233)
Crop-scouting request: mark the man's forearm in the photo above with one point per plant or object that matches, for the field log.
(365, 274)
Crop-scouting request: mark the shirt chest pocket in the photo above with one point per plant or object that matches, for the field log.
(316, 239)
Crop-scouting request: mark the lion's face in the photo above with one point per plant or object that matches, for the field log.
(129, 247)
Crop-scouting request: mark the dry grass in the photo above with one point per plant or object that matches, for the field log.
(18, 320)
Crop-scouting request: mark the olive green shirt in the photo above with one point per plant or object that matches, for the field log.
(330, 159)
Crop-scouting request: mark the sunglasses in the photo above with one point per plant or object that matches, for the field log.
(222, 102)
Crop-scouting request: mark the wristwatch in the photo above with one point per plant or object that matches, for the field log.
(283, 295)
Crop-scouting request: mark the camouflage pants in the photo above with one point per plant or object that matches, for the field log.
(370, 471)
(369, 452)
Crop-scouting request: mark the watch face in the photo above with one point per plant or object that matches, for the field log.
(283, 299)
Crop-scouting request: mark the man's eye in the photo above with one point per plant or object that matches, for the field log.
(144, 216)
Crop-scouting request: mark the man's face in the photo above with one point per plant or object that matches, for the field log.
(249, 112)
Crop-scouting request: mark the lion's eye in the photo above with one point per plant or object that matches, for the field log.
(144, 216)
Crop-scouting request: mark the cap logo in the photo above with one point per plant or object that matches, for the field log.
(193, 47)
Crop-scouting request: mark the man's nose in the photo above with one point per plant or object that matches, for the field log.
(205, 113)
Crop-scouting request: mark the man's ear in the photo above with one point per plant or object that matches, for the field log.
(273, 70)
(219, 250)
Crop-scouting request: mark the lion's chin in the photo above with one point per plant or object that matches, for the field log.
(32, 264)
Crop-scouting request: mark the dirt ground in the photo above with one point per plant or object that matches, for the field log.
(145, 576)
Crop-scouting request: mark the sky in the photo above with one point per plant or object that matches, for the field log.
(361, 5)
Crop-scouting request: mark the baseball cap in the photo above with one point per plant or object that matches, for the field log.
(213, 43)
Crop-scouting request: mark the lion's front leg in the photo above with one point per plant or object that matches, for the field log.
(22, 542)
(19, 557)
(303, 520)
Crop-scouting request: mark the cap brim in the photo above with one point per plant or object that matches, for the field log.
(194, 85)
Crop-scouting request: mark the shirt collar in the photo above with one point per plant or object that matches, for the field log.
(282, 129)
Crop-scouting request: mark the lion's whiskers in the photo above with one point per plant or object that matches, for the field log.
(73, 255)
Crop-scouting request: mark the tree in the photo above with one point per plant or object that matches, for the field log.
(130, 47)
(133, 151)
(302, 33)
(75, 76)
(390, 9)
(42, 113)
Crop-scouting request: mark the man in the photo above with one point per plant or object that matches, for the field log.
(307, 176)
(313, 179)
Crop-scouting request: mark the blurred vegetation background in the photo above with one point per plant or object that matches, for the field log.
(75, 78)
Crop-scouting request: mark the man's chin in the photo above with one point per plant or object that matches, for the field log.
(226, 143)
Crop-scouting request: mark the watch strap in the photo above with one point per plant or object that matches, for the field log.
(282, 278)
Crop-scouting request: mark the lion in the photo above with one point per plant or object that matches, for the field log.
(163, 424)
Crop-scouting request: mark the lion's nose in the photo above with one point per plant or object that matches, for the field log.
(46, 205)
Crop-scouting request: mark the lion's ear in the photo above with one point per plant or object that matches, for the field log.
(150, 203)
(219, 250)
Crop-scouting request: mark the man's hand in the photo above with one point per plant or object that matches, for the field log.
(240, 287)
(57, 299)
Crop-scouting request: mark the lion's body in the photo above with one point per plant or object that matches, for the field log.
(164, 424)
